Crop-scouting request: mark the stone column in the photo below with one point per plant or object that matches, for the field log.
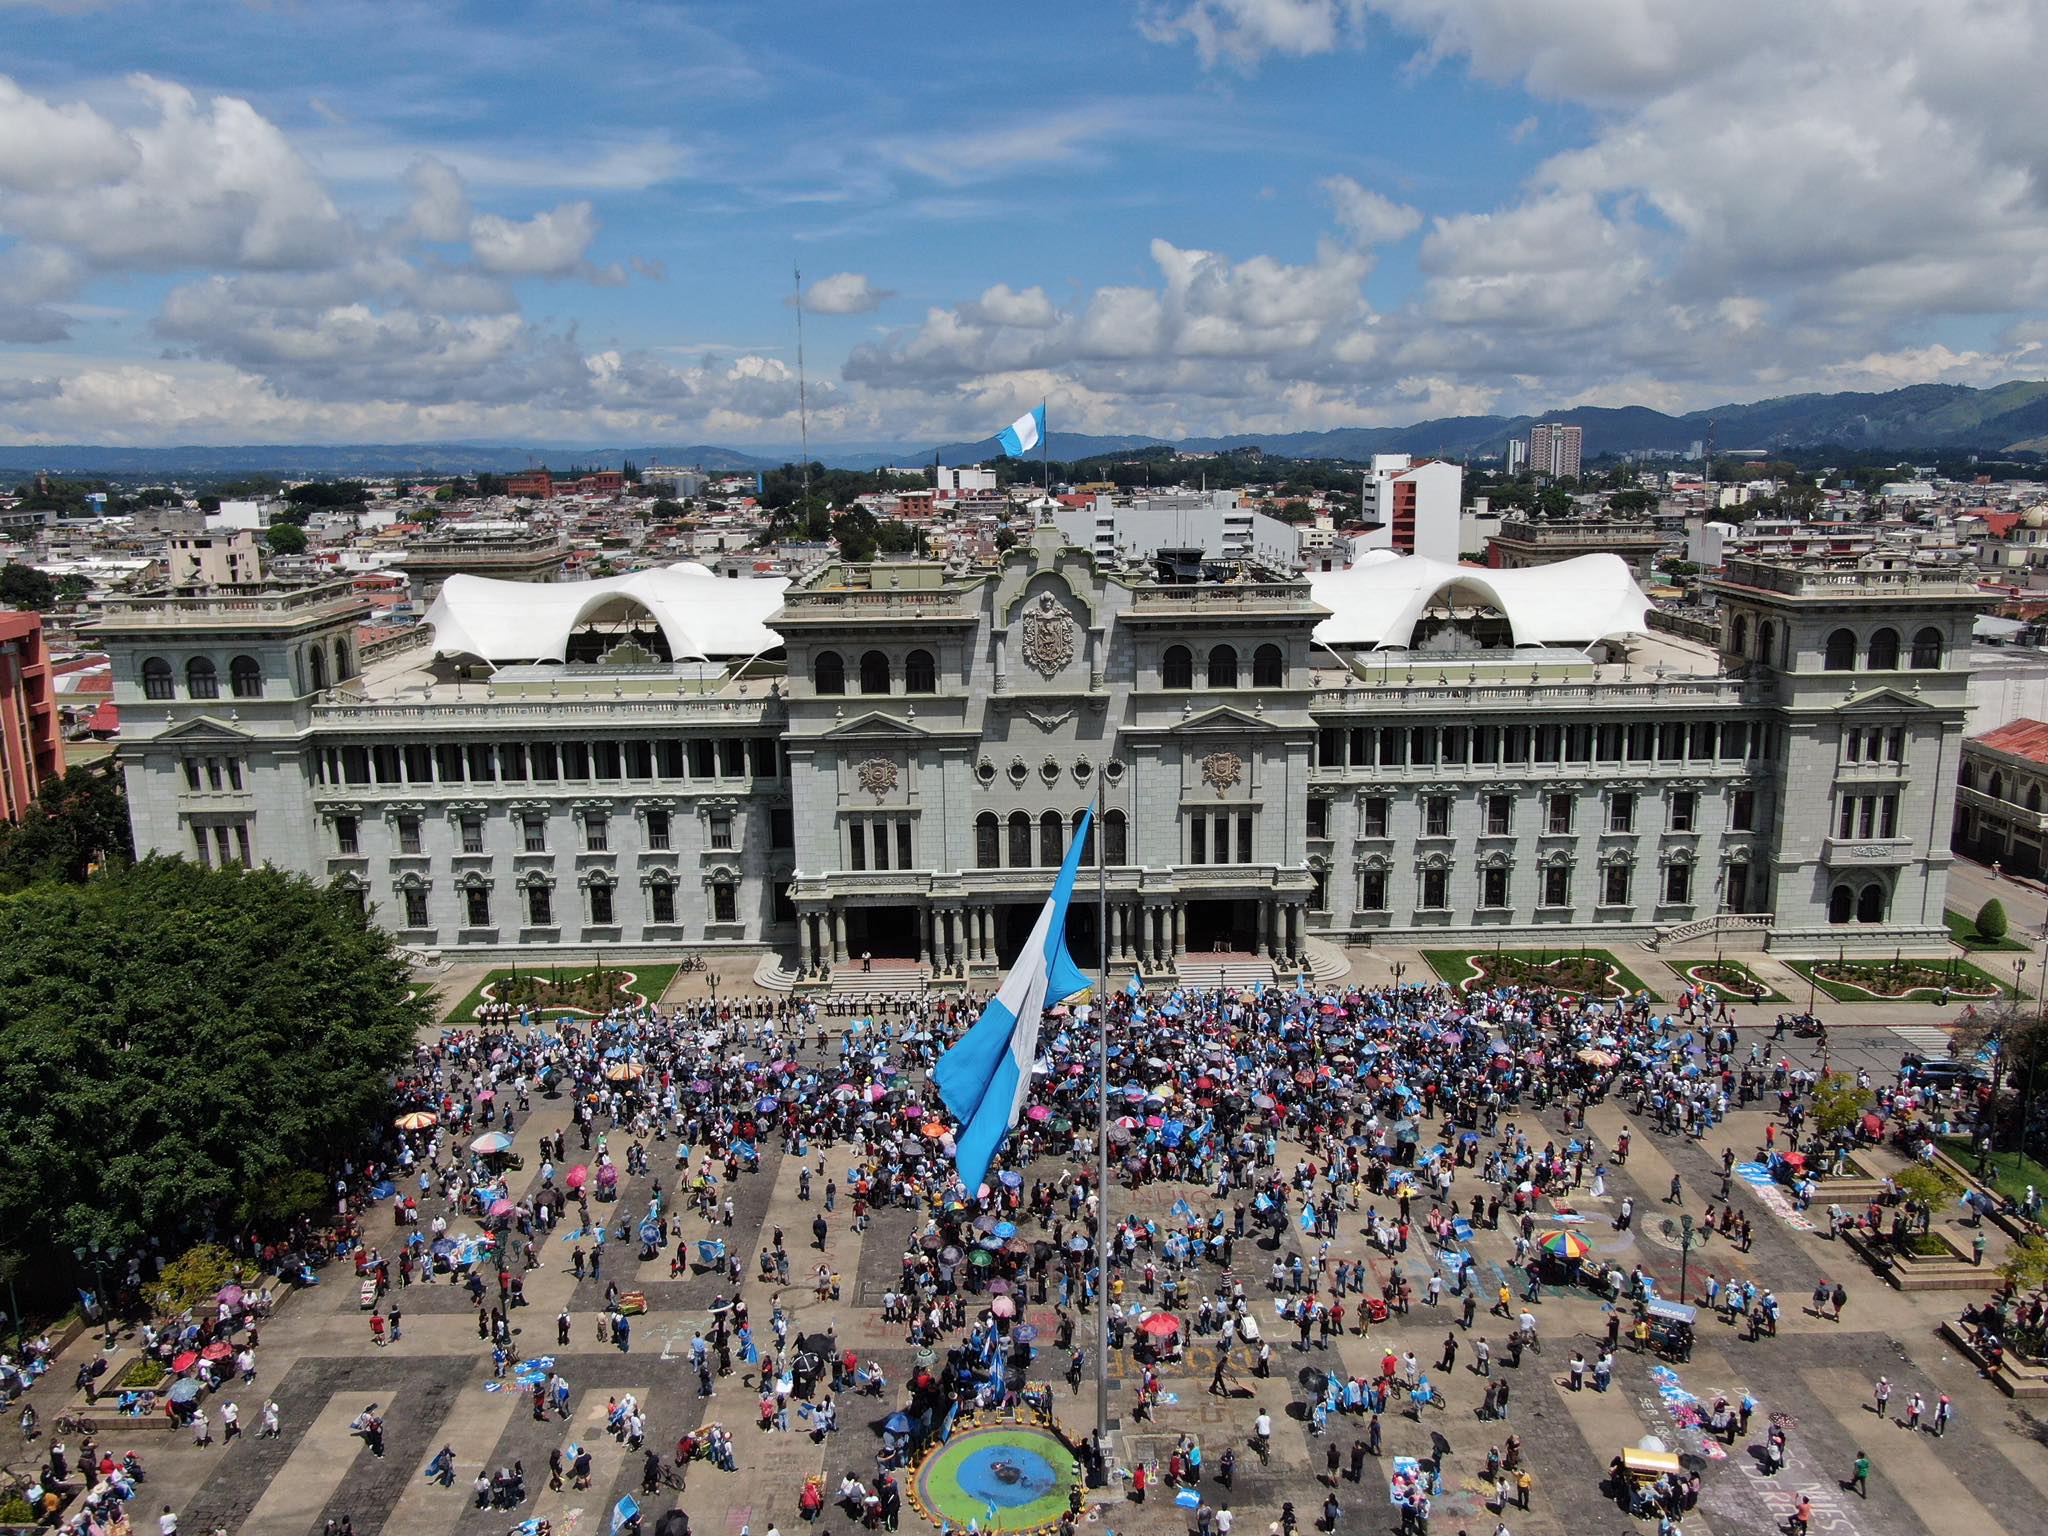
(1113, 942)
(1002, 683)
(924, 935)
(1294, 930)
(1180, 929)
(838, 935)
(803, 943)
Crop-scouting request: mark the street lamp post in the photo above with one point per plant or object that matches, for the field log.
(1684, 1254)
(1397, 989)
(94, 1261)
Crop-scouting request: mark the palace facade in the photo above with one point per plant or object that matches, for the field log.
(890, 759)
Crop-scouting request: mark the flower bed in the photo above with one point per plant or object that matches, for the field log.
(588, 992)
(137, 1374)
(1583, 973)
(1898, 981)
(1736, 982)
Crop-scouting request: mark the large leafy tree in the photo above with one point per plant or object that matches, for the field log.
(78, 824)
(175, 1041)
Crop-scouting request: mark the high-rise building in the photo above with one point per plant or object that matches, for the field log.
(1554, 450)
(1412, 507)
(1518, 455)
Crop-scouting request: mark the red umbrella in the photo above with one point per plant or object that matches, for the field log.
(1161, 1325)
(184, 1362)
(217, 1350)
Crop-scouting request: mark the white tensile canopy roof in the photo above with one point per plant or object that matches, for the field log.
(702, 615)
(1375, 604)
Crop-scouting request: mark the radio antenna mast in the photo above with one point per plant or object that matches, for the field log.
(803, 417)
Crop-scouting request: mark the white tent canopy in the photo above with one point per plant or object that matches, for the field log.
(702, 615)
(1376, 603)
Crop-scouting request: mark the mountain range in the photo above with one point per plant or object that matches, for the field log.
(2009, 417)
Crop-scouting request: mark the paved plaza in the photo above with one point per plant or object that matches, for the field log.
(434, 1384)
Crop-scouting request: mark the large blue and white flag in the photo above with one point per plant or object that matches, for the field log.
(1023, 434)
(984, 1079)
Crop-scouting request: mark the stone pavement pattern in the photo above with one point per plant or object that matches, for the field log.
(1987, 1474)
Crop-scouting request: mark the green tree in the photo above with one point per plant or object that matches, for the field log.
(664, 510)
(329, 493)
(173, 1038)
(1991, 920)
(78, 824)
(23, 586)
(1838, 1103)
(2026, 1264)
(858, 533)
(285, 539)
(72, 587)
(1925, 1186)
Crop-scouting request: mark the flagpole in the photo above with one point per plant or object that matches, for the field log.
(1044, 465)
(1102, 1127)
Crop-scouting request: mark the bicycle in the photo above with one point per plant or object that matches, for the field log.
(68, 1424)
(691, 963)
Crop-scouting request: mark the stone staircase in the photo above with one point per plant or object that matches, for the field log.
(848, 982)
(1208, 972)
(1724, 925)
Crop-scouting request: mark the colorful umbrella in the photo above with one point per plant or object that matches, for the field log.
(415, 1120)
(1565, 1245)
(491, 1142)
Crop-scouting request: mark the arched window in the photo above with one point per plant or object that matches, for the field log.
(920, 673)
(1766, 636)
(1969, 776)
(988, 841)
(1222, 667)
(1841, 904)
(2033, 797)
(344, 662)
(1927, 647)
(1177, 668)
(1088, 844)
(156, 679)
(1841, 652)
(1269, 667)
(245, 677)
(1883, 655)
(1020, 840)
(874, 672)
(316, 668)
(201, 681)
(1738, 635)
(828, 672)
(1052, 839)
(1996, 788)
(1870, 905)
(1115, 839)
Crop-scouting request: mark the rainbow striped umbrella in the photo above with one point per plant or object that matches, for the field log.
(1565, 1245)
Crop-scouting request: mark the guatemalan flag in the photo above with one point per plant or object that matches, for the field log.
(1023, 434)
(984, 1079)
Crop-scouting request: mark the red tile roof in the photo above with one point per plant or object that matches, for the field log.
(2020, 738)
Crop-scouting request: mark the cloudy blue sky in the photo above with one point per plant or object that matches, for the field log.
(577, 222)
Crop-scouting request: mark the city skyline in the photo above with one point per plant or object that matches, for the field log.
(1181, 217)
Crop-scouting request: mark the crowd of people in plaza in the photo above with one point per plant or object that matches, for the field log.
(1313, 1162)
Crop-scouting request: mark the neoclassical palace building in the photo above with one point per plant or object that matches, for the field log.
(888, 759)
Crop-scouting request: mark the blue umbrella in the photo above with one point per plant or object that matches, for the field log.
(183, 1391)
(1005, 1229)
(897, 1424)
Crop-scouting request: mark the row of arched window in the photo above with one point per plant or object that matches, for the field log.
(1995, 787)
(1047, 836)
(202, 679)
(1177, 667)
(1881, 650)
(245, 674)
(876, 673)
(1865, 904)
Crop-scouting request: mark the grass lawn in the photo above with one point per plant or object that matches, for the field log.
(2011, 1173)
(1570, 970)
(1965, 975)
(649, 980)
(1683, 969)
(1963, 929)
